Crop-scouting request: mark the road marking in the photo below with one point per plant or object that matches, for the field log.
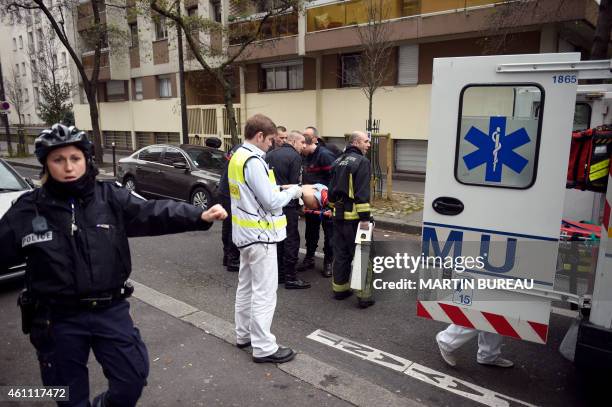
(336, 382)
(416, 371)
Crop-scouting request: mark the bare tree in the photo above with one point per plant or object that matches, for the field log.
(218, 47)
(96, 37)
(53, 103)
(375, 37)
(15, 94)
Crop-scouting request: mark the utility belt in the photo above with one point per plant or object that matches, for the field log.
(30, 303)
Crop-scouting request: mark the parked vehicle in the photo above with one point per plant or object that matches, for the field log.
(12, 186)
(187, 173)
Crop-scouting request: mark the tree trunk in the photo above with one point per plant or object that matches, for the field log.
(179, 37)
(95, 126)
(231, 113)
(599, 50)
(370, 124)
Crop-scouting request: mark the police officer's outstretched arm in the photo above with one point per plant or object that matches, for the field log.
(158, 217)
(10, 252)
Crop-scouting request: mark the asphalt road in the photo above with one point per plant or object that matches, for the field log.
(188, 267)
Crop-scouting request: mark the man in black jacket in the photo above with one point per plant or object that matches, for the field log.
(231, 254)
(349, 194)
(286, 162)
(317, 165)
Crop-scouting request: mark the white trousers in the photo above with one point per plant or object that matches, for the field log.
(256, 298)
(455, 336)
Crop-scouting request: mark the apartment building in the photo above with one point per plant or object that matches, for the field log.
(303, 72)
(26, 44)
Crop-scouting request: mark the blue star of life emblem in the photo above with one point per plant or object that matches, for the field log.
(496, 149)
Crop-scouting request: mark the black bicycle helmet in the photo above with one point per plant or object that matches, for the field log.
(61, 136)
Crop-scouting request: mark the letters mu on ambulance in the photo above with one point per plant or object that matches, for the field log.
(498, 151)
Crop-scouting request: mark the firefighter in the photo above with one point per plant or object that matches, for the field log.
(349, 195)
(286, 162)
(317, 166)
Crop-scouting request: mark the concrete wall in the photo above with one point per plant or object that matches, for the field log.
(402, 110)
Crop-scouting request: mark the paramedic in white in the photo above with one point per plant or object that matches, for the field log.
(258, 224)
(489, 345)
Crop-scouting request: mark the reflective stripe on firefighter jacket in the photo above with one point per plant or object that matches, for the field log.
(350, 185)
(251, 223)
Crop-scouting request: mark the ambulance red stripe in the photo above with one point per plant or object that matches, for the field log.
(456, 315)
(501, 325)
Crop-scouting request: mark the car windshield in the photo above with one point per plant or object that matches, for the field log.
(207, 159)
(8, 181)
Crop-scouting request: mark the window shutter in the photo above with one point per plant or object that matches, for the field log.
(408, 66)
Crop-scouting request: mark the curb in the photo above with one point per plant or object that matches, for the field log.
(398, 226)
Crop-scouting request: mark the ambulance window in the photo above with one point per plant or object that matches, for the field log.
(498, 135)
(582, 117)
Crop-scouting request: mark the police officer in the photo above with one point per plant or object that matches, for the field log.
(349, 195)
(73, 232)
(317, 165)
(231, 254)
(286, 162)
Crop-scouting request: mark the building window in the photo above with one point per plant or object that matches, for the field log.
(215, 10)
(39, 34)
(408, 65)
(138, 89)
(165, 87)
(64, 59)
(36, 97)
(349, 69)
(55, 63)
(161, 30)
(29, 119)
(23, 70)
(134, 35)
(31, 41)
(20, 42)
(16, 69)
(115, 88)
(14, 44)
(283, 75)
(27, 95)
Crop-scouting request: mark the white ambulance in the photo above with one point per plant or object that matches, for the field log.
(497, 164)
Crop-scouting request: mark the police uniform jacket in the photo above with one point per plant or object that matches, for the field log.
(349, 187)
(94, 259)
(317, 166)
(286, 163)
(224, 183)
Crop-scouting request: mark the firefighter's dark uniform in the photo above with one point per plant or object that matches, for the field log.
(231, 254)
(286, 163)
(317, 170)
(349, 195)
(75, 275)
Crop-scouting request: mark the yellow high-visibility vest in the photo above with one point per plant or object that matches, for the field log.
(251, 223)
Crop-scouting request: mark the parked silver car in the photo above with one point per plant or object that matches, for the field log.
(12, 186)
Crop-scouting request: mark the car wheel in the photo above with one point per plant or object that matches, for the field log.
(201, 197)
(129, 184)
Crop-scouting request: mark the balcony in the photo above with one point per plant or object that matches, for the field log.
(88, 62)
(279, 26)
(85, 18)
(347, 13)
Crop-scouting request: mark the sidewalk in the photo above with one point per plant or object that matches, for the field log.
(188, 367)
(404, 213)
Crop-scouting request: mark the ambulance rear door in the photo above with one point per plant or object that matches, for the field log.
(498, 149)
